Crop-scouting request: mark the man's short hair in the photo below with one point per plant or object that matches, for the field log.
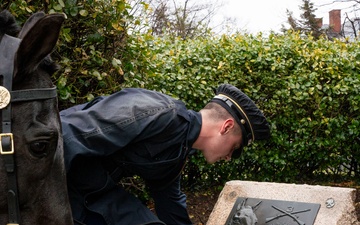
(217, 113)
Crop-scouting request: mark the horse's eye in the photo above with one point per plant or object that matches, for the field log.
(39, 149)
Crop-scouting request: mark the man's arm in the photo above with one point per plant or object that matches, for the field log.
(170, 204)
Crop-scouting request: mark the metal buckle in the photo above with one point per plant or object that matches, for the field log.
(2, 151)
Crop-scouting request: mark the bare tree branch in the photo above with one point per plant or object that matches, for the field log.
(185, 18)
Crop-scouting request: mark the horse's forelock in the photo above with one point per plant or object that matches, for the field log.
(8, 24)
(49, 65)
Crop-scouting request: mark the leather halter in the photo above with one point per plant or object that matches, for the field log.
(8, 48)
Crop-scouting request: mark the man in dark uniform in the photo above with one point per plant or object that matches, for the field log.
(149, 134)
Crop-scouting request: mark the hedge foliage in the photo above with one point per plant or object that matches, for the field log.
(90, 47)
(309, 90)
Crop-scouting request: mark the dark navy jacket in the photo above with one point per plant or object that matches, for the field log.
(131, 132)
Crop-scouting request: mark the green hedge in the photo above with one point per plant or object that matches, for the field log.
(309, 91)
(90, 47)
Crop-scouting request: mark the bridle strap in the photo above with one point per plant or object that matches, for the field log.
(33, 94)
(8, 48)
(13, 199)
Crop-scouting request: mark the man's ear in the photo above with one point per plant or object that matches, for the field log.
(227, 126)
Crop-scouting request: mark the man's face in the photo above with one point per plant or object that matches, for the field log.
(222, 147)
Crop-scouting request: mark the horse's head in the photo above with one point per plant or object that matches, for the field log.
(30, 122)
(245, 214)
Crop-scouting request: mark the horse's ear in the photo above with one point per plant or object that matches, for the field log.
(38, 42)
(30, 23)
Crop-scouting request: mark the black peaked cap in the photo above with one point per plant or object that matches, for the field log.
(251, 120)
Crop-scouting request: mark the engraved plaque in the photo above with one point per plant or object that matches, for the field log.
(254, 211)
(4, 97)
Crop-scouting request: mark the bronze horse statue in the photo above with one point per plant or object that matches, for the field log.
(32, 178)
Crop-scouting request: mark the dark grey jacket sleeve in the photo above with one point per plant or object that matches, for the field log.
(107, 124)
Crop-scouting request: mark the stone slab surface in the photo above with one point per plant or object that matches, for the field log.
(342, 213)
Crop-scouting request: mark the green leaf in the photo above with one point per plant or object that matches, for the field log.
(61, 2)
(84, 13)
(57, 7)
(74, 11)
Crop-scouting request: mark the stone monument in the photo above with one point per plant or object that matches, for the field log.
(264, 203)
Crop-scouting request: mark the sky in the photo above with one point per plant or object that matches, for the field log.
(263, 16)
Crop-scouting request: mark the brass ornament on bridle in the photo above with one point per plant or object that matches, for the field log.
(4, 97)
